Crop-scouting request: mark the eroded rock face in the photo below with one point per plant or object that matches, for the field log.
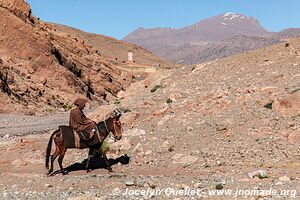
(289, 106)
(19, 7)
(42, 69)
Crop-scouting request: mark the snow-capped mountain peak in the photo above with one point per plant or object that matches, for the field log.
(231, 16)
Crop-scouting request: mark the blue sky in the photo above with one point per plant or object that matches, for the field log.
(117, 18)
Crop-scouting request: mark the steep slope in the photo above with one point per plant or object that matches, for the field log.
(112, 49)
(190, 54)
(288, 33)
(223, 119)
(45, 69)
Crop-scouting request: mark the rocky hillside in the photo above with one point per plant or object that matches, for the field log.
(113, 49)
(44, 69)
(241, 110)
(190, 54)
(208, 39)
(218, 126)
(226, 119)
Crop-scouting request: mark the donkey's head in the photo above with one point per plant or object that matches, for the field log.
(115, 125)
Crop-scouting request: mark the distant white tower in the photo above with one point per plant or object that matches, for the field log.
(130, 56)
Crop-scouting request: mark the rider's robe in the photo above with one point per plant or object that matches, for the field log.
(78, 121)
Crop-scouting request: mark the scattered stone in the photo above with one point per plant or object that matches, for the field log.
(48, 185)
(123, 145)
(138, 148)
(164, 119)
(151, 184)
(189, 128)
(135, 132)
(198, 185)
(284, 178)
(165, 145)
(184, 159)
(278, 183)
(221, 127)
(148, 153)
(294, 137)
(45, 81)
(129, 182)
(17, 162)
(6, 136)
(140, 183)
(172, 97)
(171, 148)
(260, 174)
(219, 163)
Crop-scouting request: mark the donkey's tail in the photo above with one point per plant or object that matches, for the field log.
(48, 150)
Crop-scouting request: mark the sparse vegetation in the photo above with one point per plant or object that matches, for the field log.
(50, 110)
(287, 44)
(156, 87)
(117, 101)
(295, 90)
(194, 67)
(168, 101)
(219, 186)
(137, 78)
(67, 106)
(296, 116)
(269, 105)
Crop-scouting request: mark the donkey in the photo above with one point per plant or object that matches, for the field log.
(65, 138)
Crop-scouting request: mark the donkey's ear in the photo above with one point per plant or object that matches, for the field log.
(118, 116)
(125, 110)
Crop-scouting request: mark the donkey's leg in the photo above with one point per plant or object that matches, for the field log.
(108, 167)
(53, 157)
(91, 150)
(60, 159)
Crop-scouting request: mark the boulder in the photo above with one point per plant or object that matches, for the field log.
(294, 137)
(184, 159)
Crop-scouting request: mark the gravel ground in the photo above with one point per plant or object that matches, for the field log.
(16, 125)
(20, 125)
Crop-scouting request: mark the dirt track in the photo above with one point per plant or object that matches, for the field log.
(22, 124)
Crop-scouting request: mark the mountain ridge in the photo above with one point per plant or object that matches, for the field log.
(211, 31)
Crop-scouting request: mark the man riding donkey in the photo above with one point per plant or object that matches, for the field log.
(88, 134)
(86, 127)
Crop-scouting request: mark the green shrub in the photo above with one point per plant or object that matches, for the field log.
(194, 67)
(117, 101)
(169, 100)
(137, 78)
(295, 90)
(287, 44)
(219, 186)
(104, 148)
(156, 87)
(67, 106)
(269, 105)
(296, 116)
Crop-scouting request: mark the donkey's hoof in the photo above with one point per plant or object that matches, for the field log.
(63, 172)
(49, 173)
(88, 170)
(110, 169)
